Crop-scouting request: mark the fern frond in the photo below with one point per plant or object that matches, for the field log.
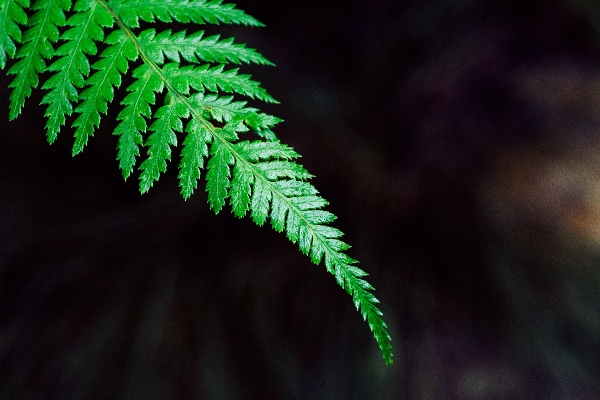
(224, 109)
(137, 106)
(193, 153)
(275, 170)
(218, 175)
(212, 79)
(37, 46)
(193, 47)
(241, 189)
(255, 151)
(196, 11)
(294, 206)
(221, 109)
(260, 178)
(261, 199)
(262, 123)
(73, 66)
(114, 62)
(11, 16)
(167, 122)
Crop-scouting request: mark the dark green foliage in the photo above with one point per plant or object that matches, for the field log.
(96, 43)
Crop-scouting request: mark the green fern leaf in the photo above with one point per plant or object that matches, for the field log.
(309, 202)
(42, 31)
(196, 11)
(194, 151)
(262, 123)
(218, 175)
(260, 202)
(255, 151)
(11, 15)
(291, 188)
(113, 63)
(72, 67)
(167, 122)
(279, 210)
(240, 189)
(221, 109)
(292, 227)
(259, 177)
(275, 170)
(194, 47)
(212, 79)
(137, 106)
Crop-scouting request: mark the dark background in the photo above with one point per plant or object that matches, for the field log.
(458, 143)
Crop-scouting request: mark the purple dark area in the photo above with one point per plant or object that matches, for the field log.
(458, 143)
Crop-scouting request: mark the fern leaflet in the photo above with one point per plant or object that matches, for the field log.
(182, 89)
(195, 46)
(43, 30)
(73, 66)
(99, 92)
(196, 11)
(11, 16)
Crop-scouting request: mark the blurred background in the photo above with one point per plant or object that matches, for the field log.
(457, 141)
